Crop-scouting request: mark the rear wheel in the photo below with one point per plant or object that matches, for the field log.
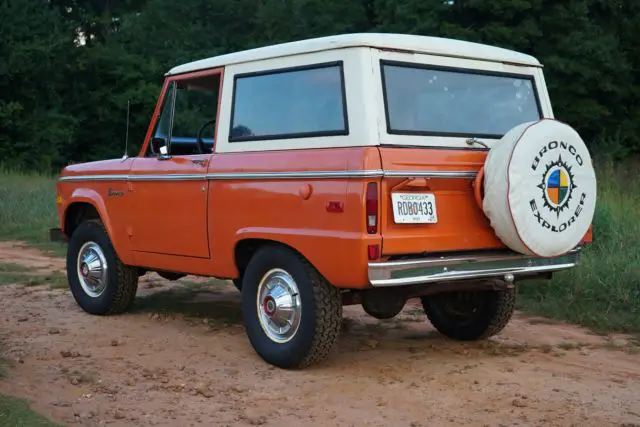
(99, 281)
(292, 315)
(470, 315)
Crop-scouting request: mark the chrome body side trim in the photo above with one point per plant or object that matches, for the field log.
(430, 174)
(295, 175)
(169, 177)
(466, 266)
(150, 177)
(374, 173)
(115, 177)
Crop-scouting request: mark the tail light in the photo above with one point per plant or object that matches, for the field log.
(372, 208)
(374, 252)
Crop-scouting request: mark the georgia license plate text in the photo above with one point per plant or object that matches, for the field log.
(412, 208)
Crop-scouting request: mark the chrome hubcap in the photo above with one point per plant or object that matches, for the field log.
(92, 269)
(279, 305)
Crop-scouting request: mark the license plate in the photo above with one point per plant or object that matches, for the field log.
(414, 208)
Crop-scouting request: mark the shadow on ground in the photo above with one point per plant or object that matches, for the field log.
(403, 336)
(204, 302)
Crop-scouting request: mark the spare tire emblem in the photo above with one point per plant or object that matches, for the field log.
(557, 186)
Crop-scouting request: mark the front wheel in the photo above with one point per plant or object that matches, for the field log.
(470, 315)
(99, 281)
(292, 316)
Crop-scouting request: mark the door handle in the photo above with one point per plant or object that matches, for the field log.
(200, 162)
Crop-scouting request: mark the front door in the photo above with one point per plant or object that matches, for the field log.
(168, 181)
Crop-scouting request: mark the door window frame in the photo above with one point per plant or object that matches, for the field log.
(160, 103)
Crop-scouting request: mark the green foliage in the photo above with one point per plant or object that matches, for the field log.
(70, 66)
(37, 54)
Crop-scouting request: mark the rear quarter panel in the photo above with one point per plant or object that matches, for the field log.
(275, 208)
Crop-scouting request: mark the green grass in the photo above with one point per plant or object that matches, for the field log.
(28, 209)
(15, 412)
(15, 273)
(603, 291)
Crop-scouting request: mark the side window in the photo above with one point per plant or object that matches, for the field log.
(289, 103)
(187, 121)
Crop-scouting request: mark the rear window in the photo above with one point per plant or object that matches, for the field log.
(425, 100)
(289, 103)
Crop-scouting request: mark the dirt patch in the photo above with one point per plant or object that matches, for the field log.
(21, 254)
(182, 358)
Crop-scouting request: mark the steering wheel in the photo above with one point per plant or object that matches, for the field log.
(199, 141)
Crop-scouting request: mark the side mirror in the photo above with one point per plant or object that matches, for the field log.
(159, 146)
(164, 153)
(157, 142)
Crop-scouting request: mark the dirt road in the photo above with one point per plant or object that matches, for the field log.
(182, 359)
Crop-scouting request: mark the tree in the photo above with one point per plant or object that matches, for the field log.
(37, 54)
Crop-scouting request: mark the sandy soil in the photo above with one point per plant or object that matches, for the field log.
(182, 359)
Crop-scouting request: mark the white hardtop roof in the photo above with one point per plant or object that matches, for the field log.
(421, 44)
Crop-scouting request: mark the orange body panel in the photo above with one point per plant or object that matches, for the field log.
(276, 209)
(461, 223)
(169, 217)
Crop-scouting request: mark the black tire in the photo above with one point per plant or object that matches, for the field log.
(238, 283)
(470, 315)
(121, 280)
(320, 316)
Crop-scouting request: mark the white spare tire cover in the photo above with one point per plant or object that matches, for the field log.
(540, 188)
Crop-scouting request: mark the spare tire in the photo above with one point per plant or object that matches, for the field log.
(540, 188)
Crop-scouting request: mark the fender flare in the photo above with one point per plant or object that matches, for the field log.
(93, 198)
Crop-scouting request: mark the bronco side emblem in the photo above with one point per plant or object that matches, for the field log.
(112, 193)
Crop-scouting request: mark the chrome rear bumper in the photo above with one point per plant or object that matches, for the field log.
(508, 265)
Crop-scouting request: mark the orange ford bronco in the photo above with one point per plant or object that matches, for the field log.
(353, 169)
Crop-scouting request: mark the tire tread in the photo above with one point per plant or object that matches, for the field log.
(126, 278)
(500, 312)
(328, 317)
(505, 306)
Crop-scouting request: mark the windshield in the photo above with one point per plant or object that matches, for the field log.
(454, 102)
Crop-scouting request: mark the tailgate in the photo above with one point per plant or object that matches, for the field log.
(435, 203)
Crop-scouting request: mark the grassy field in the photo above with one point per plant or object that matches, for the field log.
(28, 209)
(603, 292)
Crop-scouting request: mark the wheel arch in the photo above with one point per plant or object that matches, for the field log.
(246, 248)
(76, 212)
(340, 259)
(86, 204)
